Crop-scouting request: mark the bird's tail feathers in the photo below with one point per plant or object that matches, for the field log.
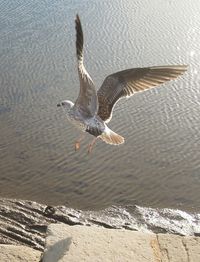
(111, 137)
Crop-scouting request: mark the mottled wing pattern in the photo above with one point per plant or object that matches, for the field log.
(87, 101)
(131, 81)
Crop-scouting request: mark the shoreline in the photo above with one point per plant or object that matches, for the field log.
(25, 222)
(30, 226)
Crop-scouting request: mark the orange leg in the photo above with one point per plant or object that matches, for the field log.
(77, 143)
(90, 146)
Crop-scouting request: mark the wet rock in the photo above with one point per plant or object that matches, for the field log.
(25, 222)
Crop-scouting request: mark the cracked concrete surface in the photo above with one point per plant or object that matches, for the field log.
(91, 243)
(156, 249)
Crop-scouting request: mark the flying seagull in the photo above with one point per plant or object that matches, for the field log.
(93, 109)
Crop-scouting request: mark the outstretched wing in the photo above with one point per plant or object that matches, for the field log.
(87, 101)
(128, 82)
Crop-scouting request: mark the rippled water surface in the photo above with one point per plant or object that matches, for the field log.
(159, 165)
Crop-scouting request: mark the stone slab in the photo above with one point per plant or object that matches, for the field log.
(175, 248)
(96, 244)
(13, 253)
(82, 243)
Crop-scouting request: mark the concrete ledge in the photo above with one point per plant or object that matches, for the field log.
(82, 243)
(13, 253)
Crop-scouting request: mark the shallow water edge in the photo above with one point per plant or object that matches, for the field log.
(25, 222)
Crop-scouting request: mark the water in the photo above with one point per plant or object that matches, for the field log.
(159, 165)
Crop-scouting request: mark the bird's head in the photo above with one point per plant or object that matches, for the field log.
(66, 105)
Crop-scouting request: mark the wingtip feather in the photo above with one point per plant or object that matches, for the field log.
(79, 39)
(77, 18)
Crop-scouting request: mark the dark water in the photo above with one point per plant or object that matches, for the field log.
(159, 165)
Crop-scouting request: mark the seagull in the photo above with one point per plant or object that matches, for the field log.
(93, 109)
